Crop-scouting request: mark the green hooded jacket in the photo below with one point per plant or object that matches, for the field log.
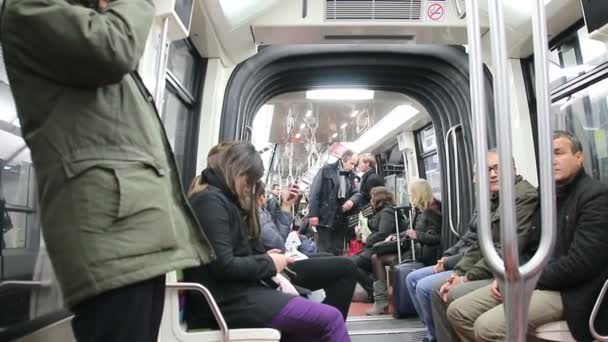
(112, 207)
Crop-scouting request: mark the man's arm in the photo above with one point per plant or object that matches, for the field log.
(78, 46)
(588, 251)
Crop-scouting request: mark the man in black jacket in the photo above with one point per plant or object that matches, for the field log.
(329, 200)
(570, 284)
(369, 180)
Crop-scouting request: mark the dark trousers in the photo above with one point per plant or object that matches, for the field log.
(335, 275)
(443, 328)
(331, 240)
(364, 270)
(131, 314)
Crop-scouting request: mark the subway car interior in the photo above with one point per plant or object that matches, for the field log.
(407, 81)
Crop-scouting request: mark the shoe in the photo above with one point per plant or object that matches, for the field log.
(380, 299)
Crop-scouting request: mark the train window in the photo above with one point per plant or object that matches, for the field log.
(428, 159)
(182, 62)
(176, 121)
(181, 105)
(574, 56)
(585, 113)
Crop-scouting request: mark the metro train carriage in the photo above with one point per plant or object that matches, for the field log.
(425, 94)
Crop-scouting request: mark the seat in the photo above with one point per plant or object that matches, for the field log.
(554, 331)
(172, 330)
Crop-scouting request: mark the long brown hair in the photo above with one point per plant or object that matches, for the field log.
(241, 159)
(381, 197)
(197, 186)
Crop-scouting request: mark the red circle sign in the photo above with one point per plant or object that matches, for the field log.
(435, 12)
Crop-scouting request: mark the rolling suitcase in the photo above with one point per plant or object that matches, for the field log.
(401, 297)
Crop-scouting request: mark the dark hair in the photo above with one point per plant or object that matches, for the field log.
(241, 159)
(575, 144)
(347, 155)
(358, 178)
(260, 189)
(381, 197)
(274, 186)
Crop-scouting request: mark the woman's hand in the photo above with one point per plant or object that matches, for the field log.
(279, 260)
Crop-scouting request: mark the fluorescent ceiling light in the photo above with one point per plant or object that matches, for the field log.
(308, 113)
(340, 94)
(335, 135)
(298, 135)
(344, 125)
(302, 126)
(385, 128)
(355, 113)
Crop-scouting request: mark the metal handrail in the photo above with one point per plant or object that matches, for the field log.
(594, 312)
(520, 282)
(452, 132)
(212, 304)
(461, 12)
(24, 284)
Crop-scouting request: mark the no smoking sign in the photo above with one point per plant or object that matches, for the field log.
(435, 11)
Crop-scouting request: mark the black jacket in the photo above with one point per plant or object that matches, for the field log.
(579, 269)
(459, 249)
(428, 230)
(324, 202)
(369, 180)
(382, 224)
(234, 278)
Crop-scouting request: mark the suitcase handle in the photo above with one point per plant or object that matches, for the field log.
(413, 247)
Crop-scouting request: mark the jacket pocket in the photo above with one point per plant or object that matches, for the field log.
(124, 212)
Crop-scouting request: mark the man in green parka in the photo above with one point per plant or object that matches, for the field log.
(113, 214)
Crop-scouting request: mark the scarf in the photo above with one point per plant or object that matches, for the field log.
(344, 178)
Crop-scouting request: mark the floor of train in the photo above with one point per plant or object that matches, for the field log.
(368, 328)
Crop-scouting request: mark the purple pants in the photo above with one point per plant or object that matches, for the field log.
(305, 320)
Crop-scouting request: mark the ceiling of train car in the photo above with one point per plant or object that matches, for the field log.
(226, 28)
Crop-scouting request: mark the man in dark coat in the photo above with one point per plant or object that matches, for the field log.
(570, 283)
(369, 180)
(330, 191)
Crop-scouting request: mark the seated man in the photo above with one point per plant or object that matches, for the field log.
(472, 273)
(420, 282)
(570, 283)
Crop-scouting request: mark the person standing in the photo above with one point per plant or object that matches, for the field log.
(114, 217)
(329, 201)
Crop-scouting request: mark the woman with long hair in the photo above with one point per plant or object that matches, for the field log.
(426, 234)
(240, 278)
(381, 224)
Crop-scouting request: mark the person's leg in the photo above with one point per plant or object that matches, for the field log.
(464, 311)
(443, 329)
(545, 307)
(380, 284)
(305, 320)
(324, 241)
(422, 293)
(335, 275)
(129, 313)
(338, 234)
(412, 279)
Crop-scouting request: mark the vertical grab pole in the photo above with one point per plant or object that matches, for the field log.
(520, 282)
(448, 177)
(513, 291)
